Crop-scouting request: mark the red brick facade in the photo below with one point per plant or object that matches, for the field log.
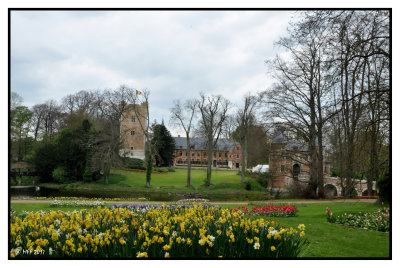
(226, 156)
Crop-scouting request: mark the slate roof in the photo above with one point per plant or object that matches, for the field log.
(291, 145)
(200, 144)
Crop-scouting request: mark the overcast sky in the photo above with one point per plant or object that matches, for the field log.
(175, 54)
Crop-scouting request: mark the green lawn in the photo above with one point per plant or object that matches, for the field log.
(326, 240)
(122, 183)
(178, 179)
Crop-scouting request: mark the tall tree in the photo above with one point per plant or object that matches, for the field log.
(301, 97)
(245, 119)
(163, 144)
(20, 117)
(183, 115)
(214, 111)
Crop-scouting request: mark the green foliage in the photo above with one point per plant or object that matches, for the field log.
(61, 175)
(44, 159)
(164, 145)
(70, 154)
(384, 185)
(335, 172)
(170, 169)
(20, 117)
(248, 185)
(87, 175)
(160, 169)
(133, 163)
(264, 178)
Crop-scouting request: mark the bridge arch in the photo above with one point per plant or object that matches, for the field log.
(330, 189)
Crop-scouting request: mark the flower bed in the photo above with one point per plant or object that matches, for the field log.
(196, 232)
(378, 221)
(76, 203)
(269, 210)
(79, 198)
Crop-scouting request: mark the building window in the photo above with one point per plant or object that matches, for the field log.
(282, 168)
(180, 147)
(180, 153)
(215, 154)
(226, 154)
(192, 153)
(219, 154)
(198, 154)
(132, 132)
(133, 118)
(237, 156)
(131, 147)
(131, 154)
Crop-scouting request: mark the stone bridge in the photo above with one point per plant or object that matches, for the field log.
(332, 187)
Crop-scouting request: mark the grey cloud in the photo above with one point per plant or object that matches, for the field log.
(176, 54)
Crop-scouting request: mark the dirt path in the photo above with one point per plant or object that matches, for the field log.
(219, 203)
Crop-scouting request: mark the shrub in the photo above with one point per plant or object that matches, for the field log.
(87, 175)
(170, 169)
(384, 185)
(61, 175)
(248, 185)
(133, 163)
(264, 179)
(296, 190)
(160, 169)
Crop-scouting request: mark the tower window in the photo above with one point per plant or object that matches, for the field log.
(133, 118)
(282, 168)
(132, 132)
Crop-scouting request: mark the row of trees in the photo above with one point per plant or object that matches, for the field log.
(81, 138)
(332, 84)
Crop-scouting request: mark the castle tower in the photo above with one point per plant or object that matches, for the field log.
(277, 161)
(133, 137)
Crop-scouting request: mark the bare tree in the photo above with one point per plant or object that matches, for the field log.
(300, 98)
(108, 139)
(183, 115)
(38, 115)
(213, 110)
(245, 118)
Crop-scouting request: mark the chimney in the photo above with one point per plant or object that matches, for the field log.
(179, 136)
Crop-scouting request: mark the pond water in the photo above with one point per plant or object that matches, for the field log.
(34, 192)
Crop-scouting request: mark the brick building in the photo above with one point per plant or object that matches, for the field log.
(289, 161)
(133, 144)
(227, 153)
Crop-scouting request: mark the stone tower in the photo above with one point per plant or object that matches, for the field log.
(132, 134)
(277, 161)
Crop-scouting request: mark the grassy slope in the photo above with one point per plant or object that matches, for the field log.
(178, 179)
(326, 240)
(122, 180)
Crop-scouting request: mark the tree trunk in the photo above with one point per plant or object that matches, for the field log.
(188, 157)
(209, 163)
(321, 192)
(148, 171)
(244, 154)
